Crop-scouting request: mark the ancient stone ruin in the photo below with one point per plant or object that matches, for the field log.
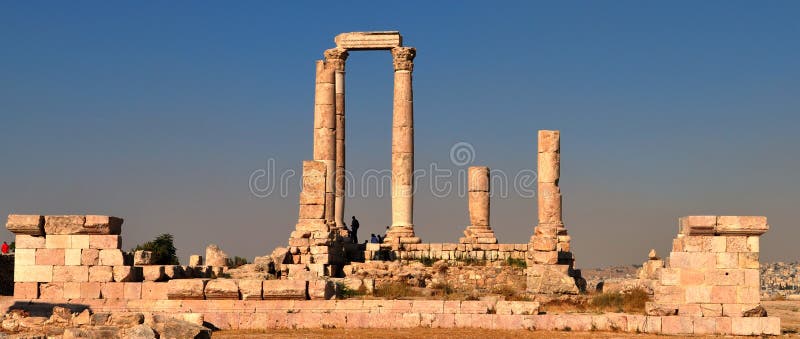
(708, 285)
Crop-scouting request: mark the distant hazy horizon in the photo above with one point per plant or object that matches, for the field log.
(162, 113)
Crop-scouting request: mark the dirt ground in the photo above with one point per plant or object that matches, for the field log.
(788, 311)
(428, 333)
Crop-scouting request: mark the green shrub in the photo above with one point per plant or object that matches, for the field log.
(519, 263)
(163, 250)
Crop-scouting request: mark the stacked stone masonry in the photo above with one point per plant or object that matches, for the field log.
(447, 251)
(389, 314)
(479, 194)
(713, 268)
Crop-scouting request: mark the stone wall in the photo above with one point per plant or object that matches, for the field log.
(713, 269)
(388, 314)
(447, 251)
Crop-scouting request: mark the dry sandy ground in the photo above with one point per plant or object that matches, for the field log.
(788, 311)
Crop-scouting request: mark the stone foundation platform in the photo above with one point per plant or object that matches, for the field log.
(505, 315)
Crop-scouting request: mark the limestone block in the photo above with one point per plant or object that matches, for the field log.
(36, 273)
(285, 289)
(79, 241)
(132, 290)
(186, 289)
(111, 257)
(154, 290)
(105, 241)
(90, 257)
(142, 258)
(549, 141)
(547, 258)
(752, 277)
(748, 294)
(697, 295)
(742, 225)
(50, 256)
(63, 224)
(102, 224)
(19, 224)
(544, 244)
(196, 260)
(313, 197)
(54, 290)
(101, 274)
(723, 295)
(112, 290)
(711, 310)
(698, 243)
(57, 241)
(127, 273)
(153, 273)
(676, 325)
(25, 257)
(72, 290)
(727, 260)
(697, 225)
(70, 273)
(312, 212)
(215, 257)
(90, 290)
(693, 277)
(549, 167)
(670, 294)
(24, 241)
(174, 271)
(26, 290)
(369, 40)
(696, 260)
(549, 203)
(250, 289)
(704, 326)
(218, 289)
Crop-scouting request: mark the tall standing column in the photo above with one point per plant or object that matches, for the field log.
(402, 230)
(337, 57)
(325, 131)
(479, 232)
(549, 172)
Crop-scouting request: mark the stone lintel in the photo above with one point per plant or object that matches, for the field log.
(377, 40)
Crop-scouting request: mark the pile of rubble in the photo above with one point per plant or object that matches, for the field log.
(66, 324)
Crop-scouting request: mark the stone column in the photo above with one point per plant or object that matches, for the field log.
(337, 57)
(402, 230)
(478, 188)
(325, 130)
(549, 172)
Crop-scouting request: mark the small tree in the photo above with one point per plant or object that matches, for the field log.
(163, 250)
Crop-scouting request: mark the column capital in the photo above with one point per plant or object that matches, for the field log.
(403, 58)
(337, 57)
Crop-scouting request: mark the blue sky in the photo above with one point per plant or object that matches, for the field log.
(159, 112)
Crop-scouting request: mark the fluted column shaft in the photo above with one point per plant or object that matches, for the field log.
(337, 57)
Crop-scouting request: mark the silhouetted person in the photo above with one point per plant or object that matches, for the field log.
(354, 227)
(374, 239)
(5, 248)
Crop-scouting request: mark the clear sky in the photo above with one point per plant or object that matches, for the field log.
(160, 112)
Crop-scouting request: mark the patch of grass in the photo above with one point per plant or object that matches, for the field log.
(511, 293)
(630, 302)
(428, 262)
(344, 292)
(395, 290)
(472, 261)
(519, 263)
(444, 288)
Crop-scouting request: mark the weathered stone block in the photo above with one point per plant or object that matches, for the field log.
(70, 273)
(35, 273)
(25, 224)
(23, 241)
(63, 224)
(101, 274)
(697, 225)
(90, 290)
(72, 256)
(196, 260)
(250, 289)
(102, 224)
(53, 290)
(742, 225)
(26, 290)
(57, 241)
(90, 257)
(111, 257)
(79, 241)
(217, 289)
(132, 290)
(153, 273)
(142, 258)
(154, 290)
(105, 241)
(285, 289)
(186, 289)
(320, 289)
(216, 257)
(112, 290)
(127, 273)
(677, 325)
(25, 257)
(369, 40)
